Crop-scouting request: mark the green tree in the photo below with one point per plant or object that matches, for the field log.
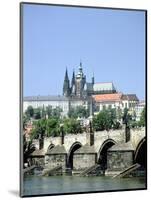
(71, 125)
(25, 121)
(37, 113)
(79, 111)
(39, 129)
(53, 128)
(143, 117)
(105, 120)
(28, 148)
(43, 112)
(56, 112)
(29, 112)
(49, 111)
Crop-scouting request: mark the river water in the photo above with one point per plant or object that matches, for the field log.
(38, 185)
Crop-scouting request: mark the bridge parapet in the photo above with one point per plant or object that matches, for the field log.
(101, 136)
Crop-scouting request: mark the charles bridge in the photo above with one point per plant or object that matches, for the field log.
(113, 150)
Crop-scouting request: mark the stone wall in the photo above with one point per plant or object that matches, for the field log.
(55, 160)
(119, 160)
(83, 161)
(136, 135)
(38, 160)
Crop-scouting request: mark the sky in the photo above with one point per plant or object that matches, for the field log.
(109, 43)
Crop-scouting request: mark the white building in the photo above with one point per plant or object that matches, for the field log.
(138, 109)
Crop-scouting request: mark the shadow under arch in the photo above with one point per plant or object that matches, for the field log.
(140, 155)
(102, 154)
(75, 146)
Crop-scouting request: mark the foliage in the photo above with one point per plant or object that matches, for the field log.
(30, 111)
(52, 127)
(105, 120)
(39, 129)
(28, 148)
(71, 125)
(143, 117)
(25, 121)
(37, 113)
(79, 111)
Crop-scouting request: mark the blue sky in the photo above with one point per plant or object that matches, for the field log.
(110, 43)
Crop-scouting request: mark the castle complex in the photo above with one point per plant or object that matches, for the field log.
(91, 95)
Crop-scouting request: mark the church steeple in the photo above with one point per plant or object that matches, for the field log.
(73, 79)
(93, 79)
(73, 84)
(66, 85)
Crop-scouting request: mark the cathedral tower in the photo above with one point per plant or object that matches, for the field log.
(66, 85)
(80, 82)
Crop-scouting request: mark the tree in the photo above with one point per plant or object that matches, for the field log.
(28, 148)
(37, 113)
(71, 125)
(56, 112)
(79, 111)
(25, 121)
(49, 111)
(143, 117)
(105, 120)
(43, 112)
(39, 129)
(29, 112)
(52, 127)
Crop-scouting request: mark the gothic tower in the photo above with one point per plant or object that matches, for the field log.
(66, 85)
(73, 89)
(80, 82)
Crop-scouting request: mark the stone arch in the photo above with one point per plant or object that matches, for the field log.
(72, 149)
(102, 154)
(140, 155)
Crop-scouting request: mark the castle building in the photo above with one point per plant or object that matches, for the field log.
(78, 92)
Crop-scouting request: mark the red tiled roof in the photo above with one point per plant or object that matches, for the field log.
(107, 97)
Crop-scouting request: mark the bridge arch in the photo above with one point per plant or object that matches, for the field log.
(102, 154)
(140, 155)
(75, 146)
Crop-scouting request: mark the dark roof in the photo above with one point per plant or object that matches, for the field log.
(59, 149)
(85, 149)
(45, 98)
(130, 97)
(122, 147)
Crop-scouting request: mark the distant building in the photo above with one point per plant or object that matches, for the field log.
(115, 100)
(138, 109)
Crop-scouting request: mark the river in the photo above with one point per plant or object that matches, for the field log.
(38, 185)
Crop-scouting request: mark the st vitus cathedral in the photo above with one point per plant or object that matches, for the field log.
(80, 88)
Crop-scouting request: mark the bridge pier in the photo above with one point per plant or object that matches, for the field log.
(119, 157)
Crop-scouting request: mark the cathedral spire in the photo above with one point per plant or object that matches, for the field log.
(73, 84)
(66, 84)
(73, 79)
(93, 79)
